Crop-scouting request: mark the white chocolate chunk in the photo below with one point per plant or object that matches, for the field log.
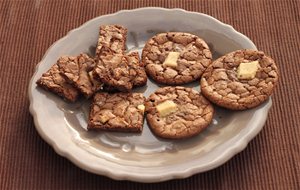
(247, 70)
(171, 60)
(141, 107)
(91, 74)
(103, 118)
(166, 108)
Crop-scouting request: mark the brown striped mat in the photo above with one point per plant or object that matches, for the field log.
(28, 28)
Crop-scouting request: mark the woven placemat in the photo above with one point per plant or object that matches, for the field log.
(28, 28)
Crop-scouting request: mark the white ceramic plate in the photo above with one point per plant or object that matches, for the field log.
(143, 157)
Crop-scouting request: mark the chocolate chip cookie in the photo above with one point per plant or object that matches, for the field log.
(79, 72)
(178, 112)
(240, 80)
(176, 58)
(117, 112)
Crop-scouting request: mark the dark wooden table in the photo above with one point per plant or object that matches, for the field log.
(28, 28)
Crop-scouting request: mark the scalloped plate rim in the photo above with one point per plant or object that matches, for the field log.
(121, 175)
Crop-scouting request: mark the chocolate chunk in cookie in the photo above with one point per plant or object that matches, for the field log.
(79, 72)
(112, 37)
(178, 112)
(53, 81)
(117, 112)
(240, 80)
(176, 58)
(120, 71)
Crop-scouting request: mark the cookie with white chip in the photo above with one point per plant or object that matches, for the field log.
(240, 80)
(176, 58)
(178, 112)
(117, 112)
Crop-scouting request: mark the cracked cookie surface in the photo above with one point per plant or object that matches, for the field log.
(117, 112)
(121, 71)
(193, 59)
(53, 81)
(78, 71)
(113, 38)
(221, 85)
(193, 112)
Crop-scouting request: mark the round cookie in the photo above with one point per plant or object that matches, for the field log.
(240, 80)
(178, 112)
(194, 57)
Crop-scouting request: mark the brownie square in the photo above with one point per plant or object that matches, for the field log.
(121, 71)
(117, 112)
(53, 81)
(79, 72)
(113, 38)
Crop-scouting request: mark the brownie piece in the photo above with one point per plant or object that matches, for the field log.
(117, 112)
(53, 81)
(113, 38)
(141, 76)
(120, 71)
(78, 71)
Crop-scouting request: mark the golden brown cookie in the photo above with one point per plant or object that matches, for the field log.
(178, 112)
(176, 57)
(240, 80)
